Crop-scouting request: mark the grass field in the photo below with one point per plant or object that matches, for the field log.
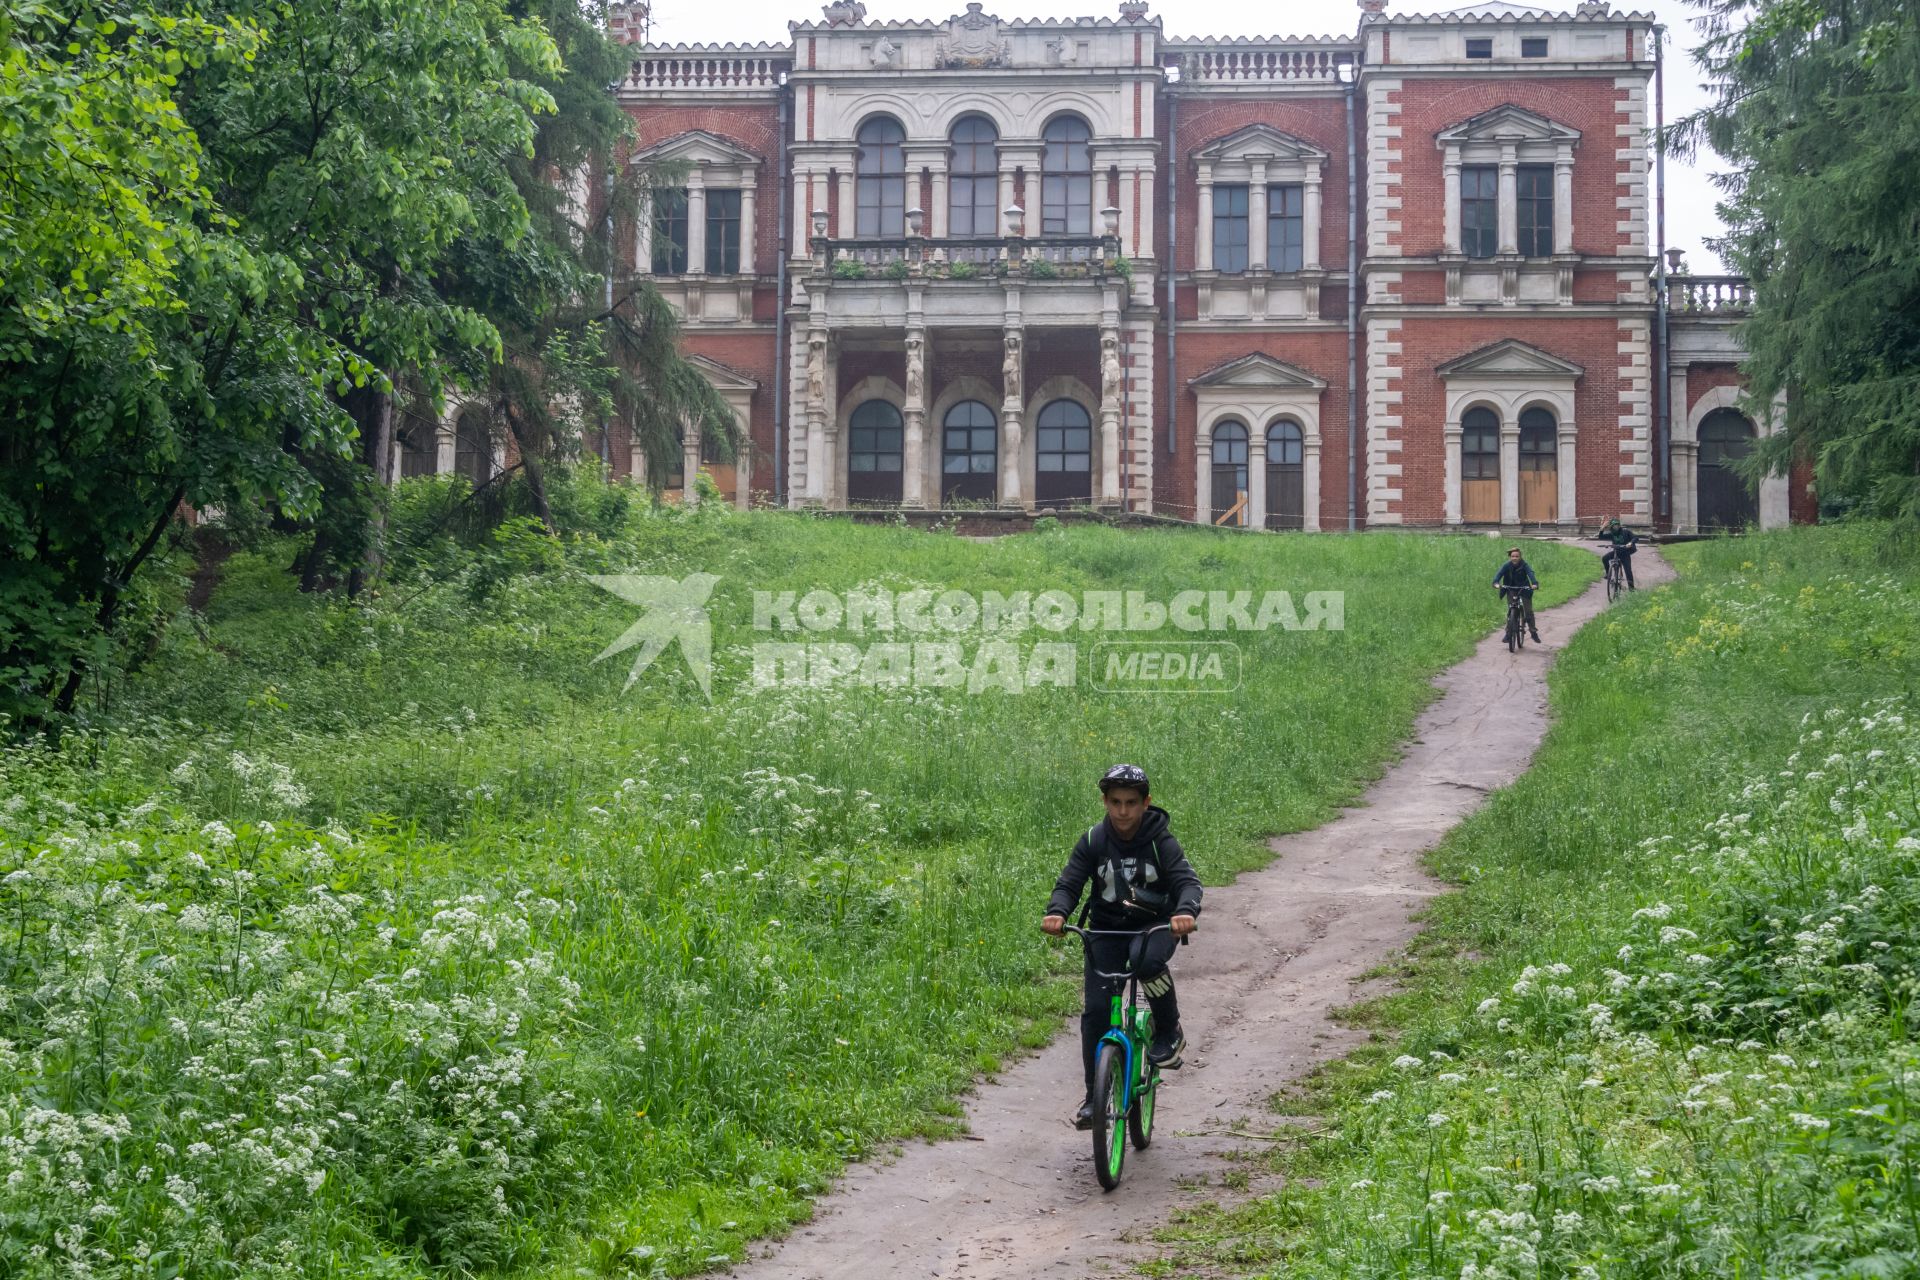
(395, 938)
(1661, 1028)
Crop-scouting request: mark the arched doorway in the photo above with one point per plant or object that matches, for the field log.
(874, 435)
(1063, 453)
(473, 446)
(1286, 476)
(1480, 467)
(419, 449)
(1726, 499)
(969, 453)
(1539, 467)
(1229, 472)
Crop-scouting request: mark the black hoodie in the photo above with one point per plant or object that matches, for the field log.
(1152, 859)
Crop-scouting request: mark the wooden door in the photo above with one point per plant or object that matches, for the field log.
(1726, 500)
(1539, 468)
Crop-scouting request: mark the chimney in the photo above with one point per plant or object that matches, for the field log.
(627, 21)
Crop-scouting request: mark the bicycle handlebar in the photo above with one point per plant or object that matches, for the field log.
(1115, 933)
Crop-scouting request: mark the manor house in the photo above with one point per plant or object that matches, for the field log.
(1404, 276)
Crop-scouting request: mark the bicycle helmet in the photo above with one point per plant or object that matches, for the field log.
(1124, 775)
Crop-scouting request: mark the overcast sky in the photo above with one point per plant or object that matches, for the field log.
(1690, 196)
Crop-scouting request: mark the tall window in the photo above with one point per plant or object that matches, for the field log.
(1480, 210)
(1229, 228)
(1066, 179)
(1286, 227)
(669, 232)
(973, 189)
(473, 446)
(1229, 472)
(723, 233)
(1064, 439)
(881, 179)
(972, 442)
(1479, 445)
(875, 437)
(1535, 188)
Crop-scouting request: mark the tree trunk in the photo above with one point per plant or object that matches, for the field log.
(109, 611)
(372, 409)
(530, 462)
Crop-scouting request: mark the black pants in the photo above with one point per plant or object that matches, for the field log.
(1110, 954)
(1526, 606)
(1625, 556)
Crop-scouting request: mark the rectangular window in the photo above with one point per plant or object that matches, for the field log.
(970, 206)
(1230, 228)
(723, 233)
(882, 201)
(1533, 47)
(1480, 48)
(1535, 189)
(1286, 227)
(669, 232)
(1480, 210)
(1066, 204)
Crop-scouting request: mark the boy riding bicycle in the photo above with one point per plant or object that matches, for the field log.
(1142, 879)
(1623, 541)
(1516, 575)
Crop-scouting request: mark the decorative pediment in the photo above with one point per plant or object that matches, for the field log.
(1259, 141)
(1510, 359)
(723, 378)
(1259, 371)
(1507, 123)
(973, 40)
(697, 147)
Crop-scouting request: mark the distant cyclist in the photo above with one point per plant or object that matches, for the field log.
(1623, 541)
(1141, 878)
(1516, 575)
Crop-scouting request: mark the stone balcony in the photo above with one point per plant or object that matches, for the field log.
(1709, 295)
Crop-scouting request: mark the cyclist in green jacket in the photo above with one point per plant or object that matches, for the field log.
(1623, 541)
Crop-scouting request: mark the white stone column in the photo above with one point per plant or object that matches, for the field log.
(1683, 510)
(1310, 482)
(1450, 465)
(637, 465)
(1126, 213)
(1509, 200)
(1112, 375)
(1013, 347)
(937, 217)
(446, 442)
(1563, 201)
(1256, 509)
(1450, 182)
(1203, 477)
(913, 416)
(1203, 229)
(1568, 496)
(689, 464)
(1510, 472)
(1775, 487)
(1310, 222)
(802, 226)
(849, 222)
(1257, 217)
(746, 230)
(696, 223)
(643, 236)
(815, 406)
(743, 466)
(1006, 199)
(1143, 246)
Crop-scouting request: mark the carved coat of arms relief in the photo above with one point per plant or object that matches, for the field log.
(973, 40)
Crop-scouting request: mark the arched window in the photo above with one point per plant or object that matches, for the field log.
(1229, 472)
(1063, 452)
(1539, 466)
(473, 446)
(874, 443)
(1727, 501)
(1480, 466)
(419, 450)
(1066, 179)
(881, 179)
(969, 452)
(1286, 475)
(973, 185)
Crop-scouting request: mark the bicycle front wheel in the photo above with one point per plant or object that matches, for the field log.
(1613, 587)
(1109, 1115)
(1140, 1120)
(1513, 634)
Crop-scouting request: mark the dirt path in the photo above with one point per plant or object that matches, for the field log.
(1279, 950)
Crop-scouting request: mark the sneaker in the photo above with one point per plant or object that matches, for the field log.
(1536, 638)
(1083, 1118)
(1165, 1050)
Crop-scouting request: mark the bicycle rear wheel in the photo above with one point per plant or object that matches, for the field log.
(1109, 1120)
(1140, 1119)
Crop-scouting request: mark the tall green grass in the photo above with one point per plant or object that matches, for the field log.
(394, 937)
(1662, 1028)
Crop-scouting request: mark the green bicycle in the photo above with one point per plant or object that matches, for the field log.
(1125, 1084)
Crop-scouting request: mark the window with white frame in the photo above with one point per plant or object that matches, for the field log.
(1508, 184)
(1259, 196)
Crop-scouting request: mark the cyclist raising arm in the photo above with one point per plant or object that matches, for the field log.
(1517, 574)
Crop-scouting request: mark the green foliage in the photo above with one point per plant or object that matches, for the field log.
(1042, 269)
(1688, 1048)
(849, 269)
(702, 952)
(963, 271)
(897, 269)
(1819, 114)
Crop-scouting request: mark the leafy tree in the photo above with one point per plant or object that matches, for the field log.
(1818, 107)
